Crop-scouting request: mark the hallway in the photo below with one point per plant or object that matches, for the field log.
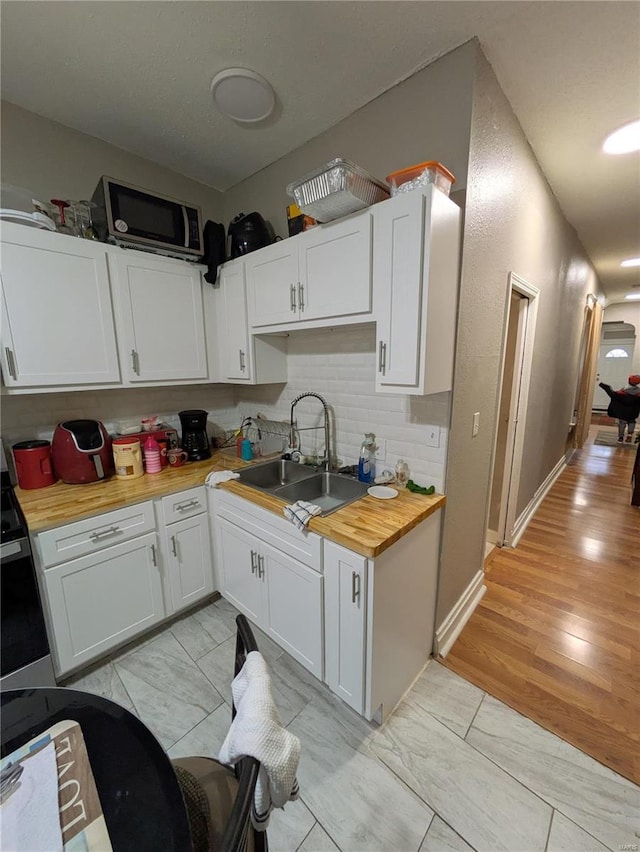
(557, 634)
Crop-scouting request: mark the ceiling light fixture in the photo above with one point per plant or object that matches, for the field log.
(623, 140)
(243, 95)
(633, 261)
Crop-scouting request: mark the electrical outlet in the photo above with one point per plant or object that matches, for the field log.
(381, 451)
(476, 424)
(433, 436)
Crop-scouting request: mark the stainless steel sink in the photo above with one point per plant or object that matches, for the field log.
(291, 481)
(274, 474)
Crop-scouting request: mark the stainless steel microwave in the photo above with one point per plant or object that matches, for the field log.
(133, 217)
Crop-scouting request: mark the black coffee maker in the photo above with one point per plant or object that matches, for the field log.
(194, 434)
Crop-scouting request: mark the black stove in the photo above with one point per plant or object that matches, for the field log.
(12, 522)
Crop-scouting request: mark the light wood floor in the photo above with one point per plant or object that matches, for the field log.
(557, 634)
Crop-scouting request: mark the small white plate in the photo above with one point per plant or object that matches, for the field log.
(382, 492)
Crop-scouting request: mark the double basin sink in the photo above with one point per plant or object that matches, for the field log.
(291, 481)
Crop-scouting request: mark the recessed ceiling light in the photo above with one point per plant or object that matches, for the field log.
(624, 140)
(633, 297)
(633, 261)
(243, 95)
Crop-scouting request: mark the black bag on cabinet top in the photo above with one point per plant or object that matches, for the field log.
(214, 249)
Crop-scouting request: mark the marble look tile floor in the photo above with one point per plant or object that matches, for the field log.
(451, 769)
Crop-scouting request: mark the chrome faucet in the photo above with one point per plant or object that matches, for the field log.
(292, 427)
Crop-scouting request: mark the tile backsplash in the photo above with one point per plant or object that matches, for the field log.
(339, 364)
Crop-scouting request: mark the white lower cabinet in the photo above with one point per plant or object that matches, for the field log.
(186, 549)
(99, 601)
(279, 593)
(345, 601)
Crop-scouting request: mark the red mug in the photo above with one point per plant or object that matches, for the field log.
(176, 456)
(33, 464)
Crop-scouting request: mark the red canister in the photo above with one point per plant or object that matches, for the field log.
(33, 464)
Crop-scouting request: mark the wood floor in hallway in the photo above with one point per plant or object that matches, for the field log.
(557, 634)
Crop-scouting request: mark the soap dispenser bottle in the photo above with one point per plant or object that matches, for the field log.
(366, 458)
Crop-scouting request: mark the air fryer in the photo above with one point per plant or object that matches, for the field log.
(81, 451)
(248, 233)
(194, 434)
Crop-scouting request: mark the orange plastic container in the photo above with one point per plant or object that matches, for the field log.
(413, 177)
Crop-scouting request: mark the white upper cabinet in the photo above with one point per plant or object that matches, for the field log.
(323, 273)
(415, 278)
(57, 324)
(160, 317)
(242, 357)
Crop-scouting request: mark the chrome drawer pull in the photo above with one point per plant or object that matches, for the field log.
(174, 548)
(242, 364)
(293, 298)
(154, 558)
(135, 360)
(301, 296)
(382, 358)
(355, 586)
(260, 566)
(98, 536)
(182, 507)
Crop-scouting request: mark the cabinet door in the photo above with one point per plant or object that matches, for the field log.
(159, 306)
(397, 276)
(235, 354)
(345, 595)
(335, 269)
(272, 283)
(294, 607)
(99, 601)
(239, 567)
(190, 566)
(57, 323)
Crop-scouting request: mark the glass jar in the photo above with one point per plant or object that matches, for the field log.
(402, 473)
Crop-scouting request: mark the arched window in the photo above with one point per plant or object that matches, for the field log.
(617, 353)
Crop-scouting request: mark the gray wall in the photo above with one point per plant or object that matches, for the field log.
(427, 117)
(512, 223)
(55, 161)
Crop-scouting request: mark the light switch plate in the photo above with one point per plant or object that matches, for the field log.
(381, 452)
(476, 424)
(433, 436)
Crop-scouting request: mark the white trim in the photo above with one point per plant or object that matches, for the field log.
(452, 626)
(523, 521)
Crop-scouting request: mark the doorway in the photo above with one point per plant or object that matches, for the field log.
(615, 359)
(517, 354)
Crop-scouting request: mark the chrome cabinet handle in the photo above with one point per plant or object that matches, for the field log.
(292, 292)
(355, 586)
(98, 536)
(182, 507)
(241, 360)
(301, 296)
(11, 364)
(135, 362)
(260, 566)
(154, 558)
(253, 562)
(382, 357)
(174, 547)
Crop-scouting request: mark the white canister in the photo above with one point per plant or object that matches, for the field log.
(127, 457)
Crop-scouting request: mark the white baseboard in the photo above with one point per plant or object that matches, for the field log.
(452, 626)
(523, 521)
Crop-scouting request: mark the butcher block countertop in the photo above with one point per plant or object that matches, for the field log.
(368, 526)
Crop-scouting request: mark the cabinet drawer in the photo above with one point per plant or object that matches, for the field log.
(184, 504)
(92, 534)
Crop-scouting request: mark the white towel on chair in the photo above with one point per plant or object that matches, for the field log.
(257, 732)
(301, 513)
(218, 476)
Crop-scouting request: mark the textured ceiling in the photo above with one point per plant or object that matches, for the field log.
(137, 74)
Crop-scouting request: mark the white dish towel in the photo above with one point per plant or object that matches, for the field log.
(301, 512)
(218, 476)
(257, 732)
